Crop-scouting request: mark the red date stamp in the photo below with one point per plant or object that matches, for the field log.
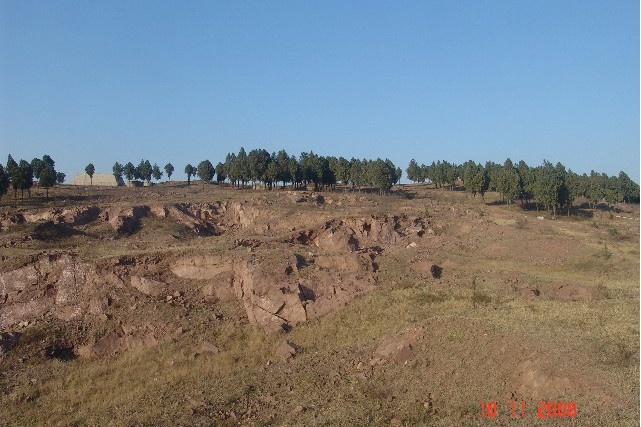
(545, 409)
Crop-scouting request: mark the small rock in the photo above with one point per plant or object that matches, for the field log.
(436, 271)
(168, 298)
(395, 422)
(298, 409)
(411, 245)
(287, 350)
(376, 361)
(209, 348)
(404, 355)
(8, 340)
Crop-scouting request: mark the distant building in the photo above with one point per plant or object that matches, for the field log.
(105, 179)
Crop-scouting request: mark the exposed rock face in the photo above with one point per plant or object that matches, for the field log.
(200, 267)
(125, 220)
(147, 286)
(269, 294)
(56, 284)
(276, 297)
(242, 214)
(280, 284)
(357, 233)
(6, 221)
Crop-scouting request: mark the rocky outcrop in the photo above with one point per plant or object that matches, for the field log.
(358, 233)
(200, 267)
(125, 220)
(276, 296)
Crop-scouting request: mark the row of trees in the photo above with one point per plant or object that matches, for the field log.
(21, 175)
(548, 185)
(144, 171)
(260, 167)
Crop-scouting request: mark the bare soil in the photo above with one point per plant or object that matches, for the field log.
(210, 305)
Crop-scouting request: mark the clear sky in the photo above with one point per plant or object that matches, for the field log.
(182, 81)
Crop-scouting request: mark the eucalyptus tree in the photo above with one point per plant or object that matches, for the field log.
(221, 172)
(169, 170)
(205, 171)
(190, 171)
(117, 171)
(507, 181)
(156, 172)
(130, 171)
(4, 181)
(47, 178)
(145, 170)
(90, 170)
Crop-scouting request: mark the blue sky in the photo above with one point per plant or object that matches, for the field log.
(179, 82)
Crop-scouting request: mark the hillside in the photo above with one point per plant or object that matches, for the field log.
(207, 305)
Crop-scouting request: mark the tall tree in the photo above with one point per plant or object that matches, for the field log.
(130, 171)
(11, 170)
(284, 172)
(574, 184)
(231, 170)
(60, 177)
(117, 170)
(37, 166)
(413, 171)
(48, 161)
(475, 178)
(4, 182)
(508, 181)
(549, 186)
(628, 188)
(169, 170)
(595, 189)
(23, 177)
(452, 173)
(47, 178)
(145, 170)
(90, 170)
(156, 172)
(221, 174)
(382, 174)
(526, 180)
(190, 171)
(241, 167)
(295, 171)
(205, 171)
